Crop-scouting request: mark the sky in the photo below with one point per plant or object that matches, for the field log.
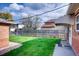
(22, 10)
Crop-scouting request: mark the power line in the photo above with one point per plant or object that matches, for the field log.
(45, 12)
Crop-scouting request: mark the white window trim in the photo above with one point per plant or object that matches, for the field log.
(76, 23)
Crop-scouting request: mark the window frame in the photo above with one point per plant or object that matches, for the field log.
(76, 22)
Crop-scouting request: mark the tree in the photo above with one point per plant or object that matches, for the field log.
(36, 21)
(6, 16)
(31, 23)
(27, 23)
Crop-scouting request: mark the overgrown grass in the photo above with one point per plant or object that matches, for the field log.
(36, 47)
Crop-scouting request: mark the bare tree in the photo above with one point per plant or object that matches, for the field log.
(36, 22)
(31, 23)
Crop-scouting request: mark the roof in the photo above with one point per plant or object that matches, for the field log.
(3, 21)
(72, 8)
(66, 19)
(49, 24)
(50, 21)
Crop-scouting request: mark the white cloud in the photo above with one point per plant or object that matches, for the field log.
(13, 14)
(16, 6)
(28, 10)
(51, 15)
(24, 15)
(49, 7)
(62, 10)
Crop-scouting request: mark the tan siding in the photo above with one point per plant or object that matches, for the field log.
(4, 35)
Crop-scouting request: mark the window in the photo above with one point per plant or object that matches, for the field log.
(77, 24)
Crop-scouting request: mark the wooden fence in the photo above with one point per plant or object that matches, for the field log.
(42, 33)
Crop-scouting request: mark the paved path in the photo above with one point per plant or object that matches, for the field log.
(63, 51)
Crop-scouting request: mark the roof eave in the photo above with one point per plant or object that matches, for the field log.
(72, 8)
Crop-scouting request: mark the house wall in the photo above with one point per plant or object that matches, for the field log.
(4, 36)
(75, 39)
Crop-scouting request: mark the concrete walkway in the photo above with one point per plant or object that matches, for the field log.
(12, 45)
(63, 51)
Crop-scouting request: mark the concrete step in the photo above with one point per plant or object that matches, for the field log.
(63, 51)
(12, 45)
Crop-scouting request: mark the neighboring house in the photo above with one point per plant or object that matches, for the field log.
(62, 24)
(48, 25)
(4, 32)
(58, 27)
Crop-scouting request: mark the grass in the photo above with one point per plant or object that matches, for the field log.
(36, 47)
(20, 39)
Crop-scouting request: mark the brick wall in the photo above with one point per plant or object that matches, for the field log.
(75, 40)
(4, 36)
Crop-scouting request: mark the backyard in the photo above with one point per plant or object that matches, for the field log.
(33, 46)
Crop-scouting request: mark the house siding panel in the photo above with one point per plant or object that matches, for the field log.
(4, 36)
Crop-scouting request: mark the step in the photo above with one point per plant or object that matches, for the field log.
(12, 45)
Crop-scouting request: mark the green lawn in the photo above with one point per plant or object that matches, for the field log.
(34, 47)
(21, 39)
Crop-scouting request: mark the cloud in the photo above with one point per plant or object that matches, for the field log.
(45, 8)
(19, 10)
(16, 6)
(49, 16)
(24, 15)
(62, 10)
(13, 13)
(35, 6)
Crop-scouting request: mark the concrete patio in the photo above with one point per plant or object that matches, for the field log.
(64, 50)
(12, 45)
